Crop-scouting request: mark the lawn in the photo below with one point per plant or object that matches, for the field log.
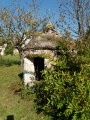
(11, 104)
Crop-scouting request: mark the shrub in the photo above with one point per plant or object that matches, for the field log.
(9, 60)
(9, 50)
(63, 95)
(27, 93)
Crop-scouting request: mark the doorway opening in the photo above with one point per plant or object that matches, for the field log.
(39, 66)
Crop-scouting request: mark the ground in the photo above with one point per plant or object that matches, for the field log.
(10, 102)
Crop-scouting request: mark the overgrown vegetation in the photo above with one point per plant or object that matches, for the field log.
(65, 91)
(9, 50)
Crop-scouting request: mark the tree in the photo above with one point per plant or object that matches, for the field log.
(75, 16)
(83, 45)
(19, 24)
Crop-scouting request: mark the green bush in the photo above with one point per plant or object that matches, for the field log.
(9, 60)
(64, 94)
(9, 50)
(27, 93)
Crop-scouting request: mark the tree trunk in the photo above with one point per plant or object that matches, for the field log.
(21, 58)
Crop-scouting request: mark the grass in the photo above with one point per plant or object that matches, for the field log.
(9, 60)
(11, 103)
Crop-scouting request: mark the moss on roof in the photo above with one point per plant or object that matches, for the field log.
(43, 42)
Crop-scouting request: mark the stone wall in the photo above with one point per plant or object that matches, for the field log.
(15, 52)
(29, 72)
(29, 66)
(43, 53)
(2, 49)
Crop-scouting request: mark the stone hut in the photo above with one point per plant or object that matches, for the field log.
(39, 54)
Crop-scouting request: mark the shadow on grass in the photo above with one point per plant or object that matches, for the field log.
(21, 76)
(10, 117)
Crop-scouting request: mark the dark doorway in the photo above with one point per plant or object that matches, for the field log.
(39, 66)
(10, 117)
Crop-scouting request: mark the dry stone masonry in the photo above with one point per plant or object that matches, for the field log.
(39, 54)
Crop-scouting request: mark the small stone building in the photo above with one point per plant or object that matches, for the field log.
(39, 54)
(2, 49)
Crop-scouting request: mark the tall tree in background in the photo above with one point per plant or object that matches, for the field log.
(74, 16)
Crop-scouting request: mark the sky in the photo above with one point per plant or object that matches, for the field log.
(51, 8)
(46, 6)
